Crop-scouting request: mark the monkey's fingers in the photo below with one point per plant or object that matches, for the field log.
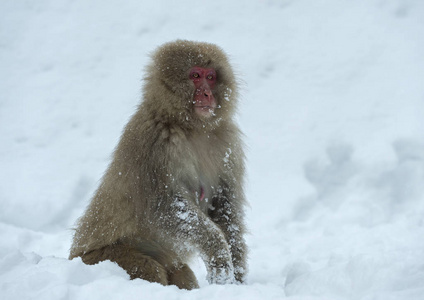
(221, 275)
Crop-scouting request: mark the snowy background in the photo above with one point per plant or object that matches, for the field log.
(333, 112)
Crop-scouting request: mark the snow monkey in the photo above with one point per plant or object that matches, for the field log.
(174, 187)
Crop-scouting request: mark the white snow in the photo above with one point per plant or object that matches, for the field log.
(332, 108)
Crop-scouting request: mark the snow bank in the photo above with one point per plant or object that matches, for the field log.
(332, 110)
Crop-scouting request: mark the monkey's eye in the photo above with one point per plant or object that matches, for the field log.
(210, 77)
(195, 75)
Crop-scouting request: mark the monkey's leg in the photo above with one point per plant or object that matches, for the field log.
(183, 277)
(137, 264)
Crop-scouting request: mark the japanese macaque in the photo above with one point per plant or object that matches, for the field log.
(175, 185)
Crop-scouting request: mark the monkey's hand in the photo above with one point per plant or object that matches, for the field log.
(220, 270)
(220, 276)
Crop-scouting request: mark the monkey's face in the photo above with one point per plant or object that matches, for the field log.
(191, 83)
(204, 80)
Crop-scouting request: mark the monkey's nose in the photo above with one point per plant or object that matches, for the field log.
(207, 93)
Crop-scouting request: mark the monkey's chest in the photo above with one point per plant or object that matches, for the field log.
(202, 165)
(203, 182)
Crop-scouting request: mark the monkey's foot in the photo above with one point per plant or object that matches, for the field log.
(183, 277)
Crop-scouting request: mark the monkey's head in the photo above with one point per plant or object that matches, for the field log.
(190, 83)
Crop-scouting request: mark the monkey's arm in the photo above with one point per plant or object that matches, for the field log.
(193, 229)
(228, 215)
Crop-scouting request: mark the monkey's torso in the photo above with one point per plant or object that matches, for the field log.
(125, 206)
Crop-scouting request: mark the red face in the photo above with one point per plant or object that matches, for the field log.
(204, 81)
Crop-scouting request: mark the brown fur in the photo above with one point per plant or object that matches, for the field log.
(146, 214)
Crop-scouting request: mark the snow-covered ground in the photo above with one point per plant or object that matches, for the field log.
(333, 112)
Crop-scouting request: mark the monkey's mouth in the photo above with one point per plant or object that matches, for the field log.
(204, 110)
(205, 107)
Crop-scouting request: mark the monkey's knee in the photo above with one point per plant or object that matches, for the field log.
(135, 263)
(183, 277)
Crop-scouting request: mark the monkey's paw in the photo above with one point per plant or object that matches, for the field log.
(221, 275)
